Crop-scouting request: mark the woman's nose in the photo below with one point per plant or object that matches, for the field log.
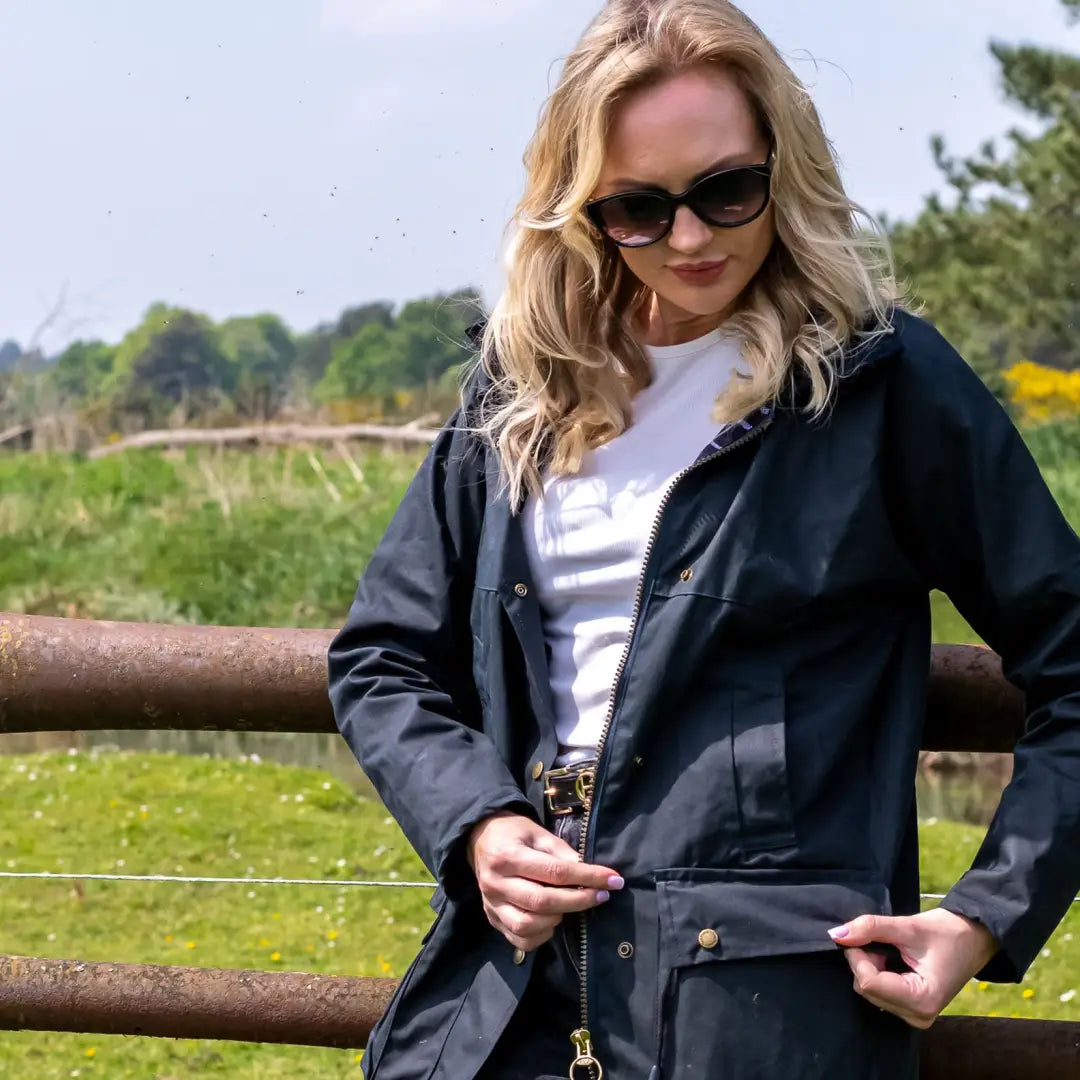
(688, 232)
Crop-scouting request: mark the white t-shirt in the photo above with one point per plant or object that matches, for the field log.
(586, 538)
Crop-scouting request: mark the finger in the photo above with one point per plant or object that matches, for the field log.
(920, 1017)
(861, 961)
(523, 923)
(547, 899)
(521, 930)
(891, 929)
(545, 840)
(550, 869)
(890, 989)
(527, 944)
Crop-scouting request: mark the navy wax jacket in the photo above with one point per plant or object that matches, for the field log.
(757, 775)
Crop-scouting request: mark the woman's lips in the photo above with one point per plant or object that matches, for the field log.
(704, 276)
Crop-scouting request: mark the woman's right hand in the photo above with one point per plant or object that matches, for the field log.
(529, 878)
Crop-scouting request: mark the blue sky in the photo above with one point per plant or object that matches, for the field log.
(298, 156)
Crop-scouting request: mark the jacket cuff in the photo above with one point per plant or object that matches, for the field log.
(1014, 954)
(452, 870)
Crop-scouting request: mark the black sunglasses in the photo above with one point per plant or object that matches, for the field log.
(725, 199)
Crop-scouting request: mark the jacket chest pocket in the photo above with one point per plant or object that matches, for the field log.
(750, 983)
(755, 697)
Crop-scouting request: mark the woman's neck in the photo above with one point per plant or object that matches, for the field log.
(656, 326)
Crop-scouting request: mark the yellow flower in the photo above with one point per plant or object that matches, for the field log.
(992, 1013)
(309, 948)
(1028, 994)
(168, 937)
(331, 935)
(263, 942)
(113, 803)
(91, 1051)
(1043, 393)
(357, 1057)
(384, 965)
(276, 915)
(984, 986)
(190, 945)
(144, 815)
(275, 956)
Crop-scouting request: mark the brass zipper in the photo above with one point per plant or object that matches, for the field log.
(581, 1038)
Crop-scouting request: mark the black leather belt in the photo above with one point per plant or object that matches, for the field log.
(568, 788)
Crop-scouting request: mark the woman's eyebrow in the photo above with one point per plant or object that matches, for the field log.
(731, 160)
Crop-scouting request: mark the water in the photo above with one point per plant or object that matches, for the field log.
(966, 789)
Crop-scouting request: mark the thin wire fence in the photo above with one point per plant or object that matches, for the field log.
(185, 880)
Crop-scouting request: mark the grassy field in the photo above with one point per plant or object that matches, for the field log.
(234, 538)
(276, 537)
(165, 814)
(170, 814)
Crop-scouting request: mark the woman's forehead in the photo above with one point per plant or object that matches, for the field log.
(669, 132)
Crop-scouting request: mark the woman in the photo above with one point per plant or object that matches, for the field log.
(640, 663)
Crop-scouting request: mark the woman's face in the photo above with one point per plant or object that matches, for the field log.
(666, 134)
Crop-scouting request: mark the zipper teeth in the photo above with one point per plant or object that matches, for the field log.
(601, 741)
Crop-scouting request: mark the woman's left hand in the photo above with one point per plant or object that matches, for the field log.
(942, 949)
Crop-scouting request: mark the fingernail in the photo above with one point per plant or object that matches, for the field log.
(603, 895)
(839, 931)
(615, 882)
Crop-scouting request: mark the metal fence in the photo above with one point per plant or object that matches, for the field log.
(67, 675)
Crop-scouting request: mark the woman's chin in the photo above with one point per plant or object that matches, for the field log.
(701, 302)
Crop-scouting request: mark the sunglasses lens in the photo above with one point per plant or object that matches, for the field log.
(731, 197)
(635, 220)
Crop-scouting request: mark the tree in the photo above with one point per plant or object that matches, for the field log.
(426, 339)
(361, 364)
(10, 351)
(316, 348)
(174, 357)
(999, 268)
(262, 352)
(82, 369)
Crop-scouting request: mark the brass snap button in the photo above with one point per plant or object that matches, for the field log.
(626, 950)
(708, 938)
(538, 770)
(521, 590)
(687, 574)
(519, 956)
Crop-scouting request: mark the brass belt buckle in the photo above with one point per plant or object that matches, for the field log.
(582, 787)
(550, 791)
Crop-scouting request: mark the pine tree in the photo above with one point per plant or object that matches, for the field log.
(998, 265)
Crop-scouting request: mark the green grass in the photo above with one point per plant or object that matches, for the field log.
(204, 816)
(233, 538)
(108, 812)
(241, 538)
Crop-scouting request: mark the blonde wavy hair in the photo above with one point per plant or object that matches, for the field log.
(554, 343)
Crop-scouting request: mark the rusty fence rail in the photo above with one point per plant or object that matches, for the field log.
(67, 675)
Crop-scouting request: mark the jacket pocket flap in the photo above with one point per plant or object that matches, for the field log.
(708, 914)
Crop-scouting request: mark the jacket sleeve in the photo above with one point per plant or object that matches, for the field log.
(400, 669)
(989, 533)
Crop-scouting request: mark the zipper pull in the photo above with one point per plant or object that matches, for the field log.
(584, 1059)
